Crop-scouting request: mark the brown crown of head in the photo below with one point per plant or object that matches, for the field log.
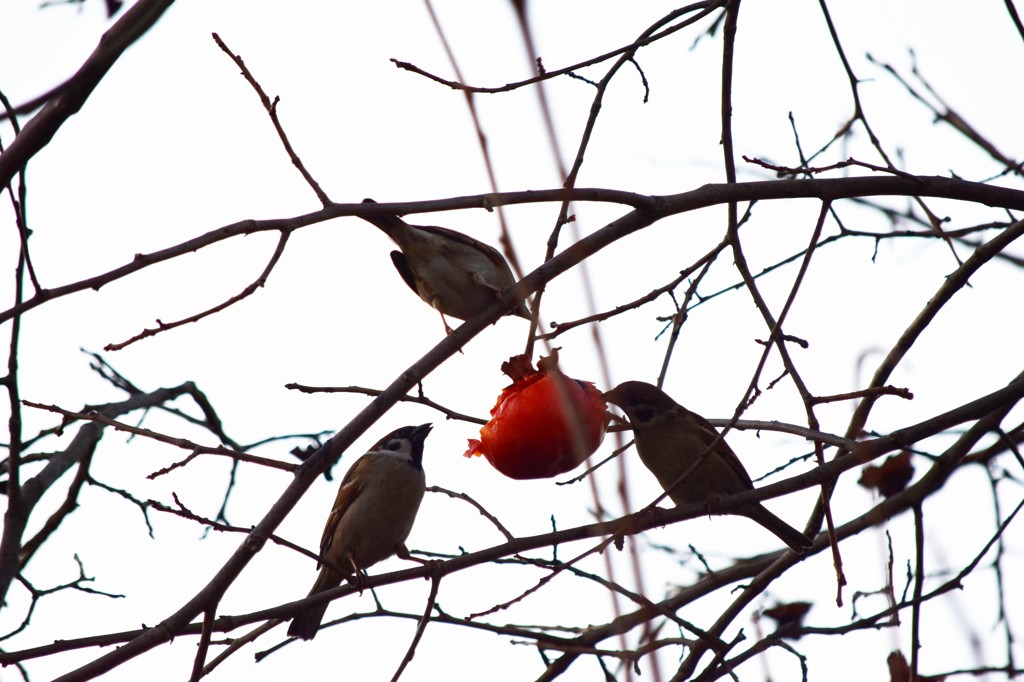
(641, 401)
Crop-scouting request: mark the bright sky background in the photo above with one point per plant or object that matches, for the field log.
(174, 143)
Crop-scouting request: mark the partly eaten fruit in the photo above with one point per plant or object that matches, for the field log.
(544, 424)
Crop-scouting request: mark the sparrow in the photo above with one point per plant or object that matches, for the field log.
(670, 439)
(371, 518)
(454, 273)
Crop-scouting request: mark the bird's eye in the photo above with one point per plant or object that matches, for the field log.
(644, 413)
(394, 445)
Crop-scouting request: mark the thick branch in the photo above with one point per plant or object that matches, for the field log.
(38, 132)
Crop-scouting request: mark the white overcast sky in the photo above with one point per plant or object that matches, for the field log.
(174, 143)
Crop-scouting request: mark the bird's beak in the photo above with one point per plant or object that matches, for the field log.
(421, 431)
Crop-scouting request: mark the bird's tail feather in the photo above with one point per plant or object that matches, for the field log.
(796, 540)
(306, 624)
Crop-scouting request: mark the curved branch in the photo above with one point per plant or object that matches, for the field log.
(81, 448)
(70, 97)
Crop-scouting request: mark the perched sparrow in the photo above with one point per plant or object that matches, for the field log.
(670, 439)
(454, 273)
(372, 516)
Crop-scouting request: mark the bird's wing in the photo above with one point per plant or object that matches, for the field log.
(402, 265)
(492, 253)
(347, 494)
(710, 433)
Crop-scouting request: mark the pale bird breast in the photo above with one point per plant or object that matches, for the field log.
(382, 515)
